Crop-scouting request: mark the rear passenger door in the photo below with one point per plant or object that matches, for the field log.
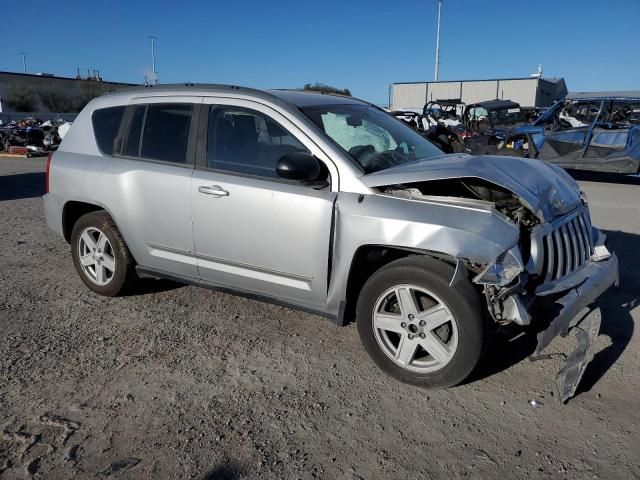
(253, 231)
(564, 147)
(146, 183)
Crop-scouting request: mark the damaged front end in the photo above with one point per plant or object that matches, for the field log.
(557, 269)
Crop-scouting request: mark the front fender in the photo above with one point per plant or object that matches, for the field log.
(475, 233)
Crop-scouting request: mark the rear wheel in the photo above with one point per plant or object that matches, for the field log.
(100, 254)
(416, 327)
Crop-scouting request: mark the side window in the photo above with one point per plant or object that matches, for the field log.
(165, 133)
(106, 122)
(246, 141)
(570, 137)
(132, 146)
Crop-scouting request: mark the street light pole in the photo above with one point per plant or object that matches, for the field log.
(435, 73)
(24, 61)
(153, 58)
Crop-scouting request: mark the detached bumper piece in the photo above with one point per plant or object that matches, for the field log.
(586, 332)
(573, 317)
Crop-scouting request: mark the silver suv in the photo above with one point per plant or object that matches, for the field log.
(330, 205)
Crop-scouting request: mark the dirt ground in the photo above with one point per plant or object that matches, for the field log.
(180, 382)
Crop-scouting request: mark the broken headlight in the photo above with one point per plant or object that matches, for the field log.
(503, 270)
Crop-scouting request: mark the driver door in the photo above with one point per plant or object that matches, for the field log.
(254, 232)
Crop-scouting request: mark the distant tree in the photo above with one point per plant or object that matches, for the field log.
(20, 98)
(321, 87)
(89, 90)
(55, 101)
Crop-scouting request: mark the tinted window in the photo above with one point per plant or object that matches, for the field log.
(611, 138)
(570, 137)
(165, 132)
(132, 147)
(245, 141)
(106, 123)
(508, 116)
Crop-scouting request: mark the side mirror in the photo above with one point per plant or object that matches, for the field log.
(301, 167)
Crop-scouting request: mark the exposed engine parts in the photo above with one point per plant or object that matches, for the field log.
(470, 188)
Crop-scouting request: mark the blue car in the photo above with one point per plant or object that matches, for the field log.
(600, 134)
(596, 133)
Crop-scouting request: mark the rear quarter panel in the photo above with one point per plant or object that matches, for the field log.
(76, 167)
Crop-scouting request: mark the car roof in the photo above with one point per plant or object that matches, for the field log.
(495, 104)
(446, 102)
(599, 99)
(299, 98)
(624, 95)
(303, 98)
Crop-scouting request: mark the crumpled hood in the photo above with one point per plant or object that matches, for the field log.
(546, 189)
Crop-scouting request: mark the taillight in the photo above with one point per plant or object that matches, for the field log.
(48, 169)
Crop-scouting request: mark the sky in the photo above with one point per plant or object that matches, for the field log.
(361, 45)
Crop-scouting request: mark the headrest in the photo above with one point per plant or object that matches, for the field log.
(275, 130)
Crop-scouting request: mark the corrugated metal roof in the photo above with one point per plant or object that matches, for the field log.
(527, 91)
(473, 92)
(411, 96)
(612, 94)
(436, 91)
(477, 80)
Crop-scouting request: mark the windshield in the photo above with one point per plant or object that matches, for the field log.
(373, 138)
(507, 116)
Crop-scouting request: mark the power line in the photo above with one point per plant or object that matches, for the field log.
(24, 61)
(435, 73)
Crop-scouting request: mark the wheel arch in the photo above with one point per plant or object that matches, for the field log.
(370, 258)
(74, 209)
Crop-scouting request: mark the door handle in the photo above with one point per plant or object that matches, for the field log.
(215, 190)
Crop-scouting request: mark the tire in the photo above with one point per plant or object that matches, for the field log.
(109, 268)
(457, 341)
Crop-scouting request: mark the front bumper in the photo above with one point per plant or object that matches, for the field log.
(598, 277)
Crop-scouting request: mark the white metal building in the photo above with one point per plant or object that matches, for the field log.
(528, 91)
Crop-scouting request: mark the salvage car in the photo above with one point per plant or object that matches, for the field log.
(600, 134)
(446, 111)
(490, 128)
(37, 136)
(330, 205)
(22, 136)
(435, 125)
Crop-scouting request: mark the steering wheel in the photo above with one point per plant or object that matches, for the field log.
(362, 152)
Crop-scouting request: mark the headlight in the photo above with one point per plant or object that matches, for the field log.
(502, 270)
(583, 197)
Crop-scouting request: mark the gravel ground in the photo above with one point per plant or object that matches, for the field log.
(179, 382)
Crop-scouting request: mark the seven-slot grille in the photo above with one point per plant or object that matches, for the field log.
(567, 247)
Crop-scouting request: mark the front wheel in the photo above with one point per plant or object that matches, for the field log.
(416, 327)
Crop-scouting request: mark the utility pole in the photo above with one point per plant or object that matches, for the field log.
(24, 61)
(153, 58)
(435, 73)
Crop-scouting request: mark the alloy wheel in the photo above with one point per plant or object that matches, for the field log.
(415, 328)
(96, 256)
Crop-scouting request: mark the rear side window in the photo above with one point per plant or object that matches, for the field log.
(165, 132)
(106, 122)
(132, 147)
